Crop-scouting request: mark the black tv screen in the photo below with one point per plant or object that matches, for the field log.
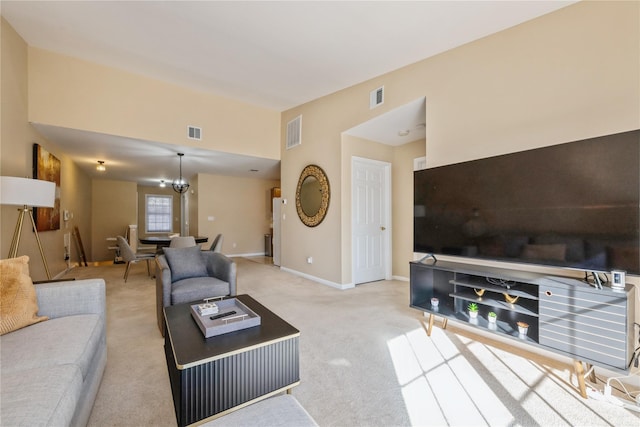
(573, 205)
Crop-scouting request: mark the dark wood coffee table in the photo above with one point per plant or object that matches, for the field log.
(213, 376)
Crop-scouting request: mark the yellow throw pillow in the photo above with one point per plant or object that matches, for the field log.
(18, 301)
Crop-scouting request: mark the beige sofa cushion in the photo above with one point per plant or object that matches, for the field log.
(18, 302)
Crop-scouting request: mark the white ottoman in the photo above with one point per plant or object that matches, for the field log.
(278, 411)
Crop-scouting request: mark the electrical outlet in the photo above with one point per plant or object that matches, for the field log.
(310, 260)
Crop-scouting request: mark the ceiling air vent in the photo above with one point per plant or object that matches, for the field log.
(194, 133)
(294, 132)
(376, 97)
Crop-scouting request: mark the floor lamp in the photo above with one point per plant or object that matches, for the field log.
(27, 193)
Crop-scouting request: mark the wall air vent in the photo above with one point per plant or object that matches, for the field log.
(194, 133)
(294, 132)
(376, 97)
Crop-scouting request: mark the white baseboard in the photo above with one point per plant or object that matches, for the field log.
(319, 280)
(246, 255)
(65, 271)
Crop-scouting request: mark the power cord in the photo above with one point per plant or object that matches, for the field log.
(501, 282)
(616, 401)
(607, 396)
(635, 358)
(608, 387)
(596, 280)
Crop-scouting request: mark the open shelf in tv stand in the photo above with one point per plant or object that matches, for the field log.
(564, 315)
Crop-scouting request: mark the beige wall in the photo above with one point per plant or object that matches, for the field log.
(568, 75)
(115, 207)
(241, 208)
(76, 195)
(69, 92)
(16, 142)
(72, 93)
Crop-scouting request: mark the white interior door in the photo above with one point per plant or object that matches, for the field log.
(371, 219)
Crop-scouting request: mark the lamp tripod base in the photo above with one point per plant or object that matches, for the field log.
(15, 242)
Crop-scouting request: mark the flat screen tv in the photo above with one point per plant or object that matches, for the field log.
(573, 205)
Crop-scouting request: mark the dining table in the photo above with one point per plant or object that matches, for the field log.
(165, 241)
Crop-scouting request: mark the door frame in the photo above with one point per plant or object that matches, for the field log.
(388, 236)
(276, 203)
(184, 214)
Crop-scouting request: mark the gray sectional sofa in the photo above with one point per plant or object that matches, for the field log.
(50, 371)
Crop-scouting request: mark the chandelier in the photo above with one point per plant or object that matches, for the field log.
(180, 185)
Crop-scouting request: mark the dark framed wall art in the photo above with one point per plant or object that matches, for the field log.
(46, 166)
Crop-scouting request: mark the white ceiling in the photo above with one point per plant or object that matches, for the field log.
(272, 54)
(396, 127)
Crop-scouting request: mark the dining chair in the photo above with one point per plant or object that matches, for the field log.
(216, 246)
(130, 257)
(182, 242)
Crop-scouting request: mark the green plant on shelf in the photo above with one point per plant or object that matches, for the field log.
(473, 307)
(492, 314)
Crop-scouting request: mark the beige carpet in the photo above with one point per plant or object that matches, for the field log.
(365, 361)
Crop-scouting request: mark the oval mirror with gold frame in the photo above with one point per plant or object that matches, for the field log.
(312, 195)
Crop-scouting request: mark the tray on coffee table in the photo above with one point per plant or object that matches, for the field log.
(212, 325)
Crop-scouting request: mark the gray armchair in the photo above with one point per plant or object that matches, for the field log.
(190, 274)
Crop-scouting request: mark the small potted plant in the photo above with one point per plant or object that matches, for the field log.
(435, 302)
(473, 310)
(492, 316)
(523, 327)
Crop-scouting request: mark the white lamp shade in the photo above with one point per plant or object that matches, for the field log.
(27, 192)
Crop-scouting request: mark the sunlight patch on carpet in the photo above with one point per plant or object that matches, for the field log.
(404, 360)
(440, 386)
